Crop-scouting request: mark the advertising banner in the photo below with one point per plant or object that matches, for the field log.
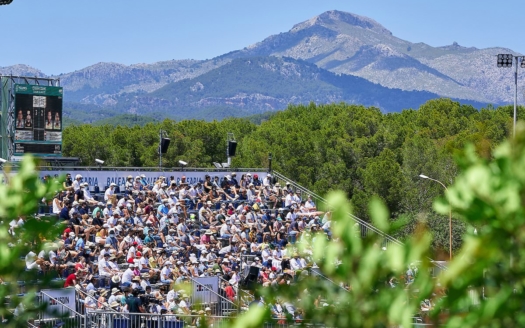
(59, 301)
(202, 291)
(102, 179)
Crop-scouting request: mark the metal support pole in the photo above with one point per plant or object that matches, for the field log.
(269, 162)
(160, 150)
(449, 214)
(515, 96)
(239, 287)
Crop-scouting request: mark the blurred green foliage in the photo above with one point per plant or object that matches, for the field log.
(19, 198)
(484, 285)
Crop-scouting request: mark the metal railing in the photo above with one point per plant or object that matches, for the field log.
(63, 314)
(79, 301)
(169, 320)
(364, 227)
(112, 319)
(144, 169)
(245, 296)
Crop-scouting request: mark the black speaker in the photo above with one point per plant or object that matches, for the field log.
(164, 144)
(250, 282)
(232, 146)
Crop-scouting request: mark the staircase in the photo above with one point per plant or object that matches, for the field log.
(364, 227)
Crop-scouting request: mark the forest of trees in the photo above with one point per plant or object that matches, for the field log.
(324, 147)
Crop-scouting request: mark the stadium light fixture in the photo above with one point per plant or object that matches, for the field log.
(505, 60)
(217, 165)
(225, 165)
(5, 2)
(3, 161)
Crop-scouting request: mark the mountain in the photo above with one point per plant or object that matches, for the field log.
(359, 53)
(247, 86)
(21, 70)
(350, 44)
(97, 84)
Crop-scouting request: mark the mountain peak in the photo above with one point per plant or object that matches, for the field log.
(455, 46)
(21, 70)
(334, 19)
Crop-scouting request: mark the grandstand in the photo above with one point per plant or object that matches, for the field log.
(169, 229)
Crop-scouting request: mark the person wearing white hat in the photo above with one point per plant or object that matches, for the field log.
(76, 183)
(166, 274)
(113, 298)
(87, 194)
(109, 192)
(268, 180)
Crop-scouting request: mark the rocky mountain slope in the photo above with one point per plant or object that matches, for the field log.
(247, 86)
(350, 44)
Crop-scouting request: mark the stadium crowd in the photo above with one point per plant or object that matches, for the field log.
(129, 249)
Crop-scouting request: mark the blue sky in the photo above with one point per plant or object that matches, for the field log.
(60, 36)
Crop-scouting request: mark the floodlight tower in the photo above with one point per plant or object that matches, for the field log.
(505, 60)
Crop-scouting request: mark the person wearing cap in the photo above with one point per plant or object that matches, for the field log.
(166, 274)
(110, 192)
(251, 193)
(246, 179)
(192, 194)
(297, 197)
(76, 182)
(108, 210)
(105, 270)
(143, 264)
(309, 204)
(288, 199)
(113, 297)
(163, 208)
(267, 181)
(256, 181)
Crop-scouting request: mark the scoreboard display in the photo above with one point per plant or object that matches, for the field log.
(38, 120)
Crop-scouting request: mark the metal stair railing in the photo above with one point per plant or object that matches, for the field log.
(364, 226)
(75, 318)
(245, 296)
(80, 303)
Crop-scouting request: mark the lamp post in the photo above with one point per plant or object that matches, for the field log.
(269, 162)
(422, 176)
(505, 60)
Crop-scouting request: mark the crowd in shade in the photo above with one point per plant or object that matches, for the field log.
(128, 250)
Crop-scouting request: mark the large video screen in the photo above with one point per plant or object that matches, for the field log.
(38, 121)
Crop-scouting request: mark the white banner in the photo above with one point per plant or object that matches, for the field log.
(105, 178)
(54, 298)
(202, 291)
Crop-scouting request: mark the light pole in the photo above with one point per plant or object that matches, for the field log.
(505, 60)
(422, 176)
